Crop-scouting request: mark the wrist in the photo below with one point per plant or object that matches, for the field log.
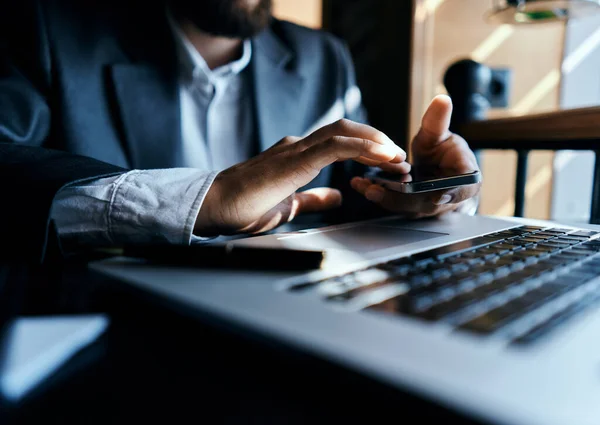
(207, 225)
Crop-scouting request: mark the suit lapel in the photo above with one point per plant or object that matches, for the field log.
(278, 91)
(146, 91)
(148, 105)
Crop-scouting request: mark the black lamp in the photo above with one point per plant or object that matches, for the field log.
(540, 11)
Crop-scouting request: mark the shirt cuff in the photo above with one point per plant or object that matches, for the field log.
(157, 205)
(141, 206)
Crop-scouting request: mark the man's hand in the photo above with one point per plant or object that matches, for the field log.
(434, 146)
(260, 194)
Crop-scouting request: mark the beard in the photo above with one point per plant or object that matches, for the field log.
(226, 18)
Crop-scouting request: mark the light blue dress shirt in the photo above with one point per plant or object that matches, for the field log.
(143, 206)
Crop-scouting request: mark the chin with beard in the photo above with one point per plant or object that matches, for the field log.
(226, 18)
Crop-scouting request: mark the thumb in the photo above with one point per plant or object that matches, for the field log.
(315, 200)
(435, 126)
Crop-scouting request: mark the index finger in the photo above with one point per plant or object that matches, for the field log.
(348, 128)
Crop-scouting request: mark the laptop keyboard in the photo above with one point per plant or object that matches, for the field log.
(521, 283)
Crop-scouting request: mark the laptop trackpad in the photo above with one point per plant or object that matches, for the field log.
(362, 238)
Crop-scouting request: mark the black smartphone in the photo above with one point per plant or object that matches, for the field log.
(423, 179)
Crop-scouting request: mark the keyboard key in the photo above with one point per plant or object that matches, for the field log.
(457, 259)
(377, 295)
(584, 233)
(574, 254)
(548, 234)
(588, 268)
(501, 248)
(537, 237)
(515, 231)
(510, 261)
(566, 241)
(553, 262)
(550, 247)
(582, 275)
(554, 244)
(589, 247)
(501, 271)
(566, 258)
(441, 274)
(504, 247)
(595, 242)
(420, 281)
(487, 254)
(422, 263)
(573, 238)
(500, 316)
(525, 241)
(472, 262)
(364, 278)
(353, 293)
(438, 266)
(459, 278)
(490, 321)
(527, 257)
(531, 228)
(553, 232)
(397, 270)
(556, 230)
(472, 254)
(540, 250)
(524, 275)
(540, 268)
(485, 291)
(442, 310)
(396, 305)
(567, 281)
(555, 321)
(457, 248)
(578, 251)
(458, 268)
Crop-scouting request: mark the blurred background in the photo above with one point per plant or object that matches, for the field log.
(403, 48)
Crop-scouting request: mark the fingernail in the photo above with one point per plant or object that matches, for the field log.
(445, 199)
(374, 195)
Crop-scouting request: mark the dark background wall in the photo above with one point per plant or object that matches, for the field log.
(379, 34)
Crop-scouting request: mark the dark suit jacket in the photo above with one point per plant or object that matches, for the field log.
(90, 89)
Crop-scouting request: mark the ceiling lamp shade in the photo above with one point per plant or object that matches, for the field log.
(540, 11)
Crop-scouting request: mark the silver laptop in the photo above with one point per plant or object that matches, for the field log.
(497, 319)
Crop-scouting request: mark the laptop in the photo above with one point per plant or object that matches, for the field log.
(498, 319)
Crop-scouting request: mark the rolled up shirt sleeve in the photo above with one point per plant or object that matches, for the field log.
(140, 206)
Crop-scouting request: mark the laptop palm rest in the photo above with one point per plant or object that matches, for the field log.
(363, 238)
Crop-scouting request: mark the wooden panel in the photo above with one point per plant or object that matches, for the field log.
(573, 124)
(378, 34)
(304, 12)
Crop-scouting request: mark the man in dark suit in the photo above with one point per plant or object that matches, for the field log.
(177, 121)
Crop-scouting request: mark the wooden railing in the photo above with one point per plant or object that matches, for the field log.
(573, 129)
